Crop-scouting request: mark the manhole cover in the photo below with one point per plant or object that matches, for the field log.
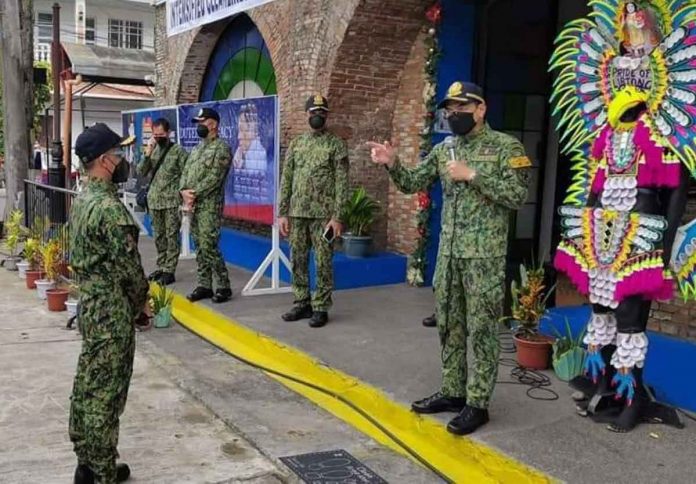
(333, 467)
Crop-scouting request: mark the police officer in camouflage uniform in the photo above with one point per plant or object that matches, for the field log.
(163, 198)
(313, 194)
(202, 191)
(485, 178)
(113, 293)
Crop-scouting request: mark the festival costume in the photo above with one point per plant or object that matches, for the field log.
(625, 93)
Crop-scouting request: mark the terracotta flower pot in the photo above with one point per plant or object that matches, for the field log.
(56, 299)
(533, 353)
(32, 277)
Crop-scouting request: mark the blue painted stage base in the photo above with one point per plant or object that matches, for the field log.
(669, 367)
(248, 251)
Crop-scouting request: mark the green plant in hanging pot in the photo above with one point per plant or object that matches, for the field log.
(568, 354)
(161, 303)
(529, 297)
(358, 215)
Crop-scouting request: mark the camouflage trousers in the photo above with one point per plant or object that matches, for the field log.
(205, 229)
(101, 383)
(166, 224)
(469, 301)
(306, 233)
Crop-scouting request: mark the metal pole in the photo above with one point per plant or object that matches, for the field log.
(56, 172)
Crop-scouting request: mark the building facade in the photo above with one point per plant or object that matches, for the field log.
(369, 57)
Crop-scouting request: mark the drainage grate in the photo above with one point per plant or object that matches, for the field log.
(333, 467)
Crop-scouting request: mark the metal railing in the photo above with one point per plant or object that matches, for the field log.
(46, 210)
(42, 52)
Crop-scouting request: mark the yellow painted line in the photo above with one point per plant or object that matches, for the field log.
(459, 458)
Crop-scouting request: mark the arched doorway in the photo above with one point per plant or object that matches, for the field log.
(240, 65)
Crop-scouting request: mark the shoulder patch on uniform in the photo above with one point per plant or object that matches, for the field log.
(520, 162)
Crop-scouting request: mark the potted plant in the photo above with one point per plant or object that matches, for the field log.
(73, 298)
(358, 216)
(51, 259)
(161, 302)
(568, 354)
(528, 307)
(14, 237)
(32, 257)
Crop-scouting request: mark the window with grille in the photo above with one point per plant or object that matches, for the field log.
(125, 34)
(44, 23)
(90, 31)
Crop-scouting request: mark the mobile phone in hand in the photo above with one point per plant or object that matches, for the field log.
(329, 235)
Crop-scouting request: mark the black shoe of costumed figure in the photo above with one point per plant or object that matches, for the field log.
(437, 403)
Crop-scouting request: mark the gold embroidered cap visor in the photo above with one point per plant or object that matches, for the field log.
(464, 92)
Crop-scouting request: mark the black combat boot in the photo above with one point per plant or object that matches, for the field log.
(154, 275)
(430, 321)
(200, 293)
(166, 278)
(299, 311)
(437, 403)
(84, 475)
(468, 420)
(222, 295)
(319, 319)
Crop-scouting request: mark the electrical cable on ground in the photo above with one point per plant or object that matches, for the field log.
(343, 400)
(537, 382)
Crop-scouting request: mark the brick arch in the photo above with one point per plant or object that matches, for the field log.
(364, 86)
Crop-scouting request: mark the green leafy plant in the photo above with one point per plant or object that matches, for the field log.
(566, 342)
(14, 231)
(360, 212)
(32, 253)
(529, 298)
(161, 299)
(51, 259)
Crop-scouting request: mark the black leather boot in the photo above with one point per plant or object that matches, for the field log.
(437, 403)
(222, 295)
(468, 420)
(299, 311)
(430, 321)
(319, 319)
(200, 293)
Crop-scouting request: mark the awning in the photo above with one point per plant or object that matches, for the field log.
(109, 64)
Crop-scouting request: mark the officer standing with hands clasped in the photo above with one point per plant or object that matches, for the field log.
(485, 177)
(313, 194)
(113, 294)
(165, 160)
(201, 190)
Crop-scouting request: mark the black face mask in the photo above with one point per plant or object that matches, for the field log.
(162, 142)
(120, 174)
(461, 123)
(317, 122)
(202, 131)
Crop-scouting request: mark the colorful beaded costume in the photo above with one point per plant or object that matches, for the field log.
(625, 97)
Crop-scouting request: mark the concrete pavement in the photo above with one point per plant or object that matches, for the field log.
(167, 435)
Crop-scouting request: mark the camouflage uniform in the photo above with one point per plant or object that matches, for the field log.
(113, 289)
(314, 190)
(164, 201)
(470, 272)
(205, 173)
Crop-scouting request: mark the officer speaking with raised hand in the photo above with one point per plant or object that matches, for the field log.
(485, 176)
(113, 293)
(201, 189)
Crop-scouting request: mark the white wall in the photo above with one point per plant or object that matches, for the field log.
(102, 11)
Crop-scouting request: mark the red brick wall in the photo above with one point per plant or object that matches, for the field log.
(676, 317)
(365, 83)
(407, 124)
